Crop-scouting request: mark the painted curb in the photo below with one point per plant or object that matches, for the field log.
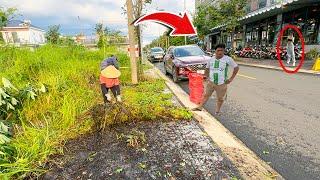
(249, 165)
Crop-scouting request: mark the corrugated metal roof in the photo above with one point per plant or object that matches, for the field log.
(269, 8)
(19, 24)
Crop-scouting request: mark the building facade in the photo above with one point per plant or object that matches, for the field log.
(22, 32)
(264, 20)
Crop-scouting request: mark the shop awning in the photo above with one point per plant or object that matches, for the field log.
(281, 7)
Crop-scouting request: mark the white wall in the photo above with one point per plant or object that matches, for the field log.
(36, 36)
(23, 37)
(31, 36)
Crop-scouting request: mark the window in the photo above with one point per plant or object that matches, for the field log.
(307, 19)
(248, 8)
(255, 36)
(157, 49)
(15, 37)
(271, 29)
(264, 35)
(188, 51)
(312, 25)
(248, 37)
(229, 38)
(262, 3)
(272, 2)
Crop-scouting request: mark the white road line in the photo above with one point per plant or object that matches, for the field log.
(249, 77)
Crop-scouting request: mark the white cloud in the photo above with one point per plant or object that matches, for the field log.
(88, 10)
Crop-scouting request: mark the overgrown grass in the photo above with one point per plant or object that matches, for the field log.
(71, 76)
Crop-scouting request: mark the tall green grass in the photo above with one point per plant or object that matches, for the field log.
(71, 74)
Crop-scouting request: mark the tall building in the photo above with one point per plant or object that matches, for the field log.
(264, 20)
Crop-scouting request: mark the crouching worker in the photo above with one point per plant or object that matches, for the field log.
(109, 79)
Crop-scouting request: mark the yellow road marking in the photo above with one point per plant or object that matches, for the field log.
(246, 76)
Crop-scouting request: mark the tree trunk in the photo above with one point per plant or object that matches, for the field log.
(132, 40)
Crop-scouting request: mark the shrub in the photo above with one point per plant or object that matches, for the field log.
(313, 54)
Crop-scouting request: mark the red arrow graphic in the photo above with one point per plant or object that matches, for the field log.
(181, 25)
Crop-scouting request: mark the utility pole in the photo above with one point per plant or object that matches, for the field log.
(185, 37)
(133, 60)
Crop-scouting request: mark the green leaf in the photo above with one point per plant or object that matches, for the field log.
(9, 106)
(42, 88)
(4, 139)
(7, 84)
(142, 165)
(3, 93)
(2, 102)
(265, 152)
(3, 128)
(32, 95)
(14, 101)
(118, 170)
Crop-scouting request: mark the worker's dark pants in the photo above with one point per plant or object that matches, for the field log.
(115, 91)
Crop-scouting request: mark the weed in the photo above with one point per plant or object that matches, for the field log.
(142, 165)
(136, 139)
(118, 170)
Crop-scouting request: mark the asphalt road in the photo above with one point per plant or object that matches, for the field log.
(276, 115)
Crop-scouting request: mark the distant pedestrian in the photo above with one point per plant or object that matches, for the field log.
(109, 79)
(217, 77)
(290, 51)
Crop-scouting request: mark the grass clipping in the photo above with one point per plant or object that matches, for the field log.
(144, 102)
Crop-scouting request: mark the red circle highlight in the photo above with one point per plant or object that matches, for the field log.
(289, 26)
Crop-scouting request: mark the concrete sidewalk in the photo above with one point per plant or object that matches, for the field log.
(274, 64)
(249, 165)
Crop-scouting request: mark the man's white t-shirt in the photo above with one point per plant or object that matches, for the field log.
(218, 69)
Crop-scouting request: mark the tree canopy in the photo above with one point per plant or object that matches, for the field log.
(227, 13)
(53, 34)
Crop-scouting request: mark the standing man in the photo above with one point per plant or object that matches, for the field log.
(217, 77)
(290, 51)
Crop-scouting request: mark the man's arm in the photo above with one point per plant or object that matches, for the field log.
(234, 74)
(232, 63)
(116, 64)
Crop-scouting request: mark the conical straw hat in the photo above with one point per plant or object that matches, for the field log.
(110, 72)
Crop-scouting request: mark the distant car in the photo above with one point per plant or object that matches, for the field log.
(182, 59)
(156, 54)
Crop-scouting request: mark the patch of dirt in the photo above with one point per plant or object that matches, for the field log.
(165, 150)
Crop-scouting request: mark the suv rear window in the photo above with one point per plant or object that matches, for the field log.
(188, 51)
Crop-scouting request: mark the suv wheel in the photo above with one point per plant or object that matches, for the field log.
(175, 75)
(165, 68)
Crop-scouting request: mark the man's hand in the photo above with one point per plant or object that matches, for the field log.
(228, 81)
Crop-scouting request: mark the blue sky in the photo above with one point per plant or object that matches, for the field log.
(44, 13)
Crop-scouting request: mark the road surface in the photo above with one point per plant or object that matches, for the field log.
(276, 115)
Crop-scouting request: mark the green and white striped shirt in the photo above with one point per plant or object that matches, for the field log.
(218, 69)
